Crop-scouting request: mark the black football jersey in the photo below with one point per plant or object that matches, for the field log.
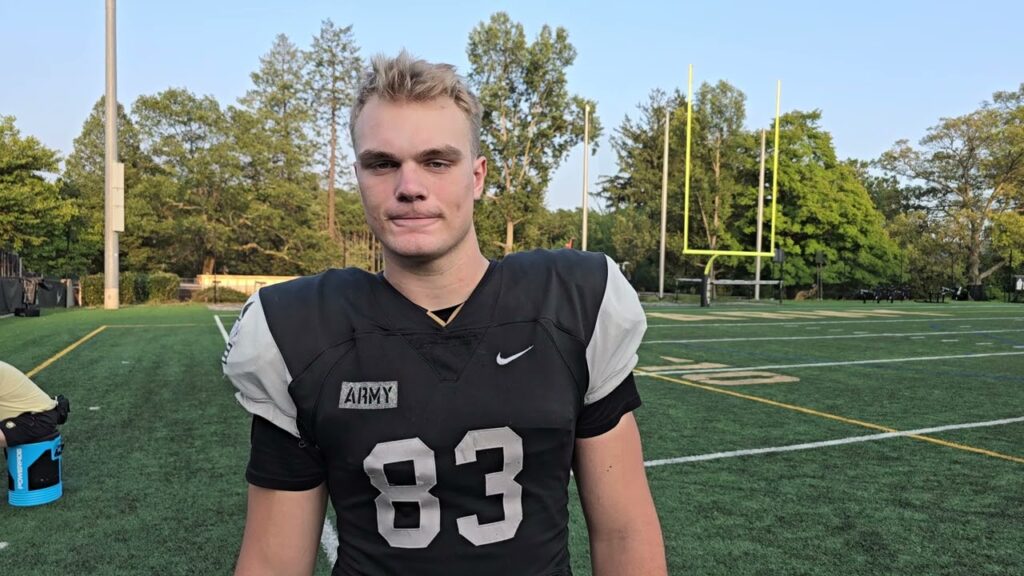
(445, 449)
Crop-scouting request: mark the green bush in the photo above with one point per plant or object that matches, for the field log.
(219, 295)
(163, 287)
(141, 286)
(133, 288)
(92, 290)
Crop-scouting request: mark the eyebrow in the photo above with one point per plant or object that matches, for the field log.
(367, 157)
(447, 152)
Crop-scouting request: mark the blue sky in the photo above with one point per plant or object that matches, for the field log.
(879, 71)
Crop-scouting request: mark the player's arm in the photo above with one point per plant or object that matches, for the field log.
(287, 494)
(282, 532)
(625, 535)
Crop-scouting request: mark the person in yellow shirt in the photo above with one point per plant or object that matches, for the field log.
(27, 414)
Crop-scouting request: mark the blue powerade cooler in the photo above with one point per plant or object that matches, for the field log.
(34, 474)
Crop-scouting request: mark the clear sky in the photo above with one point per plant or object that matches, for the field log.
(879, 71)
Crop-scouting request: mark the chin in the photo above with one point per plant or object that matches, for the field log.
(415, 249)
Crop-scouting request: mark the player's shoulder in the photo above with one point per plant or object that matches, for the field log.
(564, 264)
(558, 273)
(311, 313)
(564, 286)
(337, 286)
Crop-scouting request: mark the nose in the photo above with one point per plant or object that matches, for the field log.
(411, 185)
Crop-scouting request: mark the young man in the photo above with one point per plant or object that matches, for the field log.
(27, 414)
(442, 404)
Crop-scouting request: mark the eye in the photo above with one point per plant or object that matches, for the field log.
(438, 164)
(382, 165)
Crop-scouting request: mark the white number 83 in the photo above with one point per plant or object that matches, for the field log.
(414, 450)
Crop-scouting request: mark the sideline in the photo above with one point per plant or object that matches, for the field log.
(220, 326)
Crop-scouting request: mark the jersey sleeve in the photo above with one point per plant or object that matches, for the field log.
(254, 365)
(280, 461)
(601, 416)
(620, 326)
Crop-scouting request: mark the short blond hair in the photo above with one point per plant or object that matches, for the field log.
(408, 79)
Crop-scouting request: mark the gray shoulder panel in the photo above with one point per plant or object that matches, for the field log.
(254, 365)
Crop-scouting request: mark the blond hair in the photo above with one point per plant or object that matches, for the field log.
(407, 79)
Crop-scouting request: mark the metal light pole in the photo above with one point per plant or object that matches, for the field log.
(586, 175)
(760, 222)
(664, 208)
(111, 186)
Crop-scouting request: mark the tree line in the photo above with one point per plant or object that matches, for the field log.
(263, 185)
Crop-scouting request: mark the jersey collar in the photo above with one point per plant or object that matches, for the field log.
(403, 315)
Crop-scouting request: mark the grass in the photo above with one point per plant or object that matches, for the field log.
(156, 446)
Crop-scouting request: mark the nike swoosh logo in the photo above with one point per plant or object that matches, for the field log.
(502, 361)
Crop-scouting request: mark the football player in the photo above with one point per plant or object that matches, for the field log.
(442, 404)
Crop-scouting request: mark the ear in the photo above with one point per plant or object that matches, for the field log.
(479, 176)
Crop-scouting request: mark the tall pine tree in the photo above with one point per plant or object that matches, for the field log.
(333, 67)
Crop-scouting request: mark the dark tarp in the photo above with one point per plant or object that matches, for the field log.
(12, 294)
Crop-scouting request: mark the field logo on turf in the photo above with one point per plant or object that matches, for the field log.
(739, 378)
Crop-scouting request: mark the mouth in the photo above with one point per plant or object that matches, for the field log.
(413, 220)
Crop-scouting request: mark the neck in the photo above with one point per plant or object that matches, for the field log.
(441, 283)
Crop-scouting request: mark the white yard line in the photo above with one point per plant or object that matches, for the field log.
(844, 363)
(827, 443)
(220, 326)
(329, 536)
(329, 541)
(830, 337)
(1, 318)
(683, 324)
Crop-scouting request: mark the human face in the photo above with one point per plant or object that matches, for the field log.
(417, 177)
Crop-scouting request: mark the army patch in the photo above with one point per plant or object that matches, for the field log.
(369, 395)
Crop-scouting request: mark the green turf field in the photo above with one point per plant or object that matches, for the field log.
(839, 439)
